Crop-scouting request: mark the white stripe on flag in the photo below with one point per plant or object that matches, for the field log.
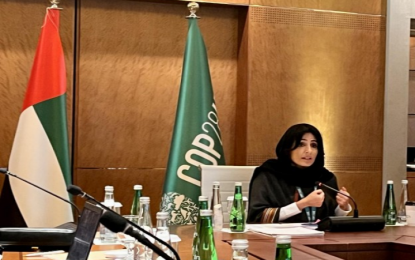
(34, 159)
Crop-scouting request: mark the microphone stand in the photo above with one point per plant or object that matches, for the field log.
(8, 173)
(89, 197)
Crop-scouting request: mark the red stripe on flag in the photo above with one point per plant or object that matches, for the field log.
(48, 77)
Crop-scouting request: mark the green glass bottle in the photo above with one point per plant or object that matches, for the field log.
(135, 207)
(283, 251)
(206, 247)
(389, 206)
(203, 204)
(237, 214)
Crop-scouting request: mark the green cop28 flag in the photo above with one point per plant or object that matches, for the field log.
(196, 135)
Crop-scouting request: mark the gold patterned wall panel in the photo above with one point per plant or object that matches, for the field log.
(352, 6)
(322, 68)
(20, 26)
(130, 62)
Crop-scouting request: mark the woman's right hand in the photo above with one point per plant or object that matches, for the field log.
(314, 199)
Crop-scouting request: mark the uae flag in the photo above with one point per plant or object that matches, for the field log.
(196, 135)
(40, 152)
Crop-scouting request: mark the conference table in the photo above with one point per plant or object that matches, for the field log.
(394, 242)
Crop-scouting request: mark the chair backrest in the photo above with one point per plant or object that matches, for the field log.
(227, 176)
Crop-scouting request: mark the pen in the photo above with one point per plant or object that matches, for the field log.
(46, 253)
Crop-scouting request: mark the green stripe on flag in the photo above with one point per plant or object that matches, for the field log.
(52, 115)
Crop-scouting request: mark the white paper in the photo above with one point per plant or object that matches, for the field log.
(294, 230)
(174, 238)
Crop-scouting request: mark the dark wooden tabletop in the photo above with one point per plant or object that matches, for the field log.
(390, 243)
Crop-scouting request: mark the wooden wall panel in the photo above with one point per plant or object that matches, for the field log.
(411, 186)
(327, 71)
(2, 177)
(242, 93)
(20, 25)
(93, 181)
(366, 189)
(412, 53)
(230, 2)
(411, 102)
(131, 56)
(353, 6)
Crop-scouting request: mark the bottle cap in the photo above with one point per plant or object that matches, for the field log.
(162, 215)
(138, 187)
(108, 204)
(404, 181)
(283, 239)
(144, 199)
(239, 244)
(216, 183)
(390, 182)
(205, 212)
(109, 188)
(238, 183)
(203, 198)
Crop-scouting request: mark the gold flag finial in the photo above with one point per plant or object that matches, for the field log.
(193, 7)
(54, 4)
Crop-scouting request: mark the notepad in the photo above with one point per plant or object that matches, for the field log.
(294, 230)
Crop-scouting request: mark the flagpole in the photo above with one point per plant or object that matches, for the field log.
(193, 7)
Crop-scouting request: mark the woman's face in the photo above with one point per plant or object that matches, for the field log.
(305, 154)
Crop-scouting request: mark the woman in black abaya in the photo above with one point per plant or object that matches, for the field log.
(285, 189)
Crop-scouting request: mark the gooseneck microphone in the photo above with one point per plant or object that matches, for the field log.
(355, 211)
(5, 171)
(77, 191)
(117, 223)
(348, 224)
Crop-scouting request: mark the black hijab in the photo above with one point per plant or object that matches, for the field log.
(302, 177)
(276, 180)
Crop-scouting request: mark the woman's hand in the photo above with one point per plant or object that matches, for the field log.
(342, 200)
(314, 199)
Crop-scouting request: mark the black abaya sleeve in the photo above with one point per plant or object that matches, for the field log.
(259, 199)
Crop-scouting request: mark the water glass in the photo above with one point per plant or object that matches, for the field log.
(132, 218)
(135, 245)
